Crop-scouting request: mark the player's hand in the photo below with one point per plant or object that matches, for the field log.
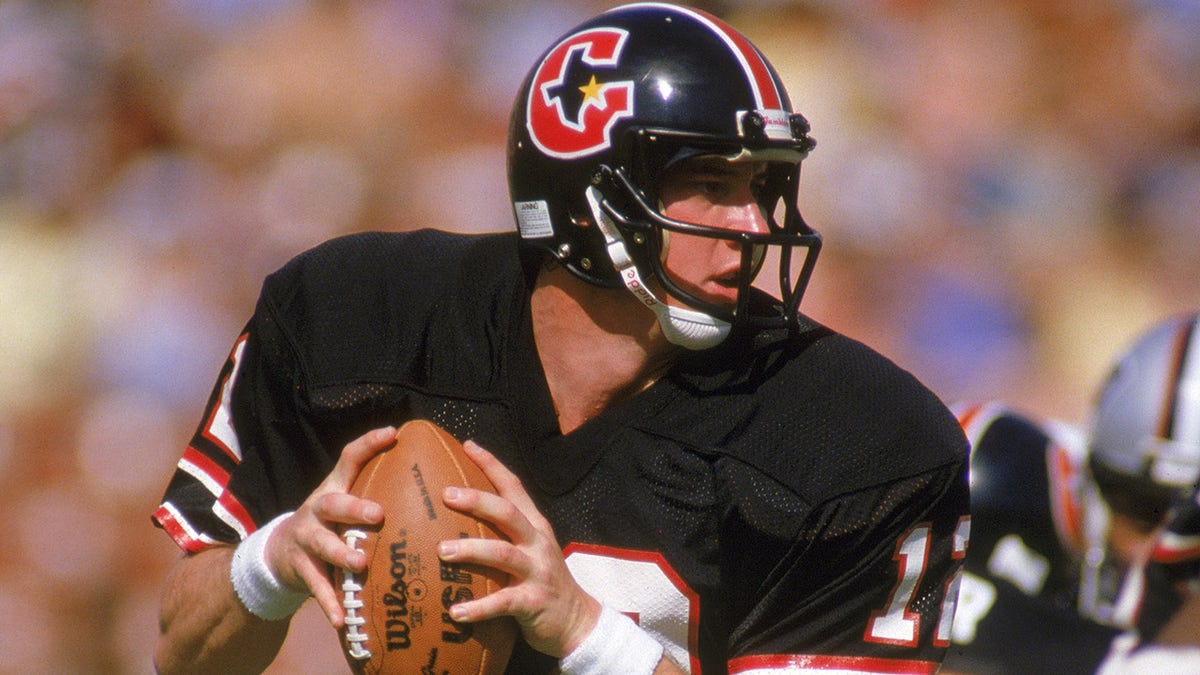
(301, 548)
(555, 614)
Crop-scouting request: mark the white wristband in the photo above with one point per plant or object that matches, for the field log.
(255, 584)
(615, 645)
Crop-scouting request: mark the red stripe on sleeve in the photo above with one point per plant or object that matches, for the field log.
(182, 535)
(207, 466)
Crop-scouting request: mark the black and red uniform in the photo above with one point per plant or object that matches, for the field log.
(789, 500)
(1019, 609)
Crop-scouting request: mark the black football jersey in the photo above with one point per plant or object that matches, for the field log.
(1018, 606)
(789, 500)
(1026, 510)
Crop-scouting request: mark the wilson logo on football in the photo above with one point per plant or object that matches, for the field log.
(571, 110)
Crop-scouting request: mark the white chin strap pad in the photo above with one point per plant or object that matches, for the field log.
(687, 328)
(691, 329)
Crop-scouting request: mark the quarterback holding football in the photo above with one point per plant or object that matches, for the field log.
(683, 472)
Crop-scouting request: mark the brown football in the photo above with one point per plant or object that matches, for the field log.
(396, 611)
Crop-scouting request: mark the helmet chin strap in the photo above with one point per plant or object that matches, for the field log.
(683, 327)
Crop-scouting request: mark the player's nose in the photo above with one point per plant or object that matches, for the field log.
(746, 216)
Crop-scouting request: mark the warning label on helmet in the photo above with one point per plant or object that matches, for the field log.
(533, 219)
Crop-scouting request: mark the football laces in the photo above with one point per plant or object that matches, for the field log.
(351, 602)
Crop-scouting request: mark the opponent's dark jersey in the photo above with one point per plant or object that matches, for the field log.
(787, 501)
(1019, 609)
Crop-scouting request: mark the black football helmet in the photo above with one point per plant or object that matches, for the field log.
(612, 105)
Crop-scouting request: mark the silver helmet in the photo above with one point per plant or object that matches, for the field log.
(1143, 450)
(1144, 432)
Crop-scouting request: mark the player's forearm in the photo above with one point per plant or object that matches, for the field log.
(204, 628)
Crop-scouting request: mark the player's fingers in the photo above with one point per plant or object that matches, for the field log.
(495, 470)
(492, 553)
(506, 482)
(308, 540)
(356, 454)
(345, 508)
(505, 516)
(547, 626)
(324, 593)
(490, 606)
(333, 549)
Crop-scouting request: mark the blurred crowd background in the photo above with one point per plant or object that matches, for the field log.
(1009, 192)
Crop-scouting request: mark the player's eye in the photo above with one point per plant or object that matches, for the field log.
(711, 188)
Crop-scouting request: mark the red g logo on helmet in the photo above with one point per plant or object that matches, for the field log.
(570, 113)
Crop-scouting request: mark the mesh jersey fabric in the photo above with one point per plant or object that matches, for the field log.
(774, 477)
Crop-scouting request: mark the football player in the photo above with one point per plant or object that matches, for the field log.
(693, 475)
(1063, 520)
(1167, 642)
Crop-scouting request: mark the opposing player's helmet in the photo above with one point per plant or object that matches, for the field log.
(604, 113)
(1144, 431)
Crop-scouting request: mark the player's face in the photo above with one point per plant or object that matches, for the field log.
(714, 192)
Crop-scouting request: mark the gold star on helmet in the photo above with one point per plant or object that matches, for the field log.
(591, 90)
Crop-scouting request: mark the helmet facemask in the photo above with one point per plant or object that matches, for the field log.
(626, 201)
(598, 121)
